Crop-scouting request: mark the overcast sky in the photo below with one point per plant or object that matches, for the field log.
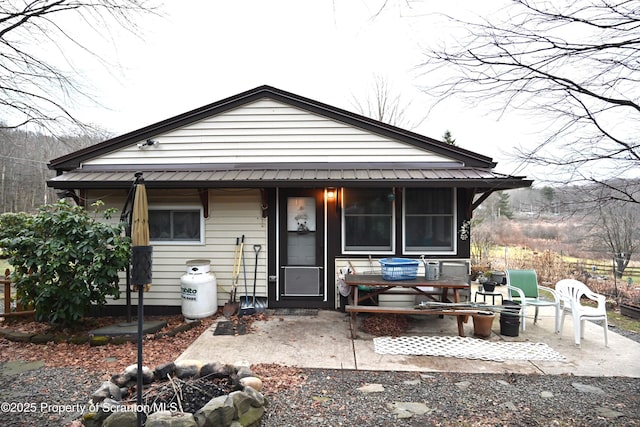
(201, 51)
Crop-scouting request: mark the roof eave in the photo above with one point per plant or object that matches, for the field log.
(478, 185)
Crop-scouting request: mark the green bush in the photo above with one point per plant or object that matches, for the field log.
(12, 224)
(64, 261)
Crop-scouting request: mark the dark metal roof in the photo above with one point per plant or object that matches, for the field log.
(262, 177)
(75, 159)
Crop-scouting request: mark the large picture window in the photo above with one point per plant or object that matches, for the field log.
(429, 219)
(175, 224)
(368, 219)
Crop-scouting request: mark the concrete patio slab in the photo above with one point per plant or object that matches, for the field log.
(320, 341)
(324, 341)
(118, 329)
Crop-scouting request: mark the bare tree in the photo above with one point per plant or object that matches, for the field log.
(482, 240)
(619, 231)
(23, 166)
(384, 104)
(616, 228)
(575, 63)
(38, 79)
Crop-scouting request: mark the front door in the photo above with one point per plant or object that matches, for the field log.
(301, 249)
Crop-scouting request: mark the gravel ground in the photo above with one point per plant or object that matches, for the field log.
(629, 334)
(335, 398)
(38, 397)
(332, 398)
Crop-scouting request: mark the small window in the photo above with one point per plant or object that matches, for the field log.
(175, 225)
(429, 219)
(368, 219)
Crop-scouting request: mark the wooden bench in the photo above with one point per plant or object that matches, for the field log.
(461, 314)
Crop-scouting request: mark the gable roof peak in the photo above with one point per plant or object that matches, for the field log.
(75, 159)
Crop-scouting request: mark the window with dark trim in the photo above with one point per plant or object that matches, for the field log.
(429, 219)
(175, 225)
(368, 219)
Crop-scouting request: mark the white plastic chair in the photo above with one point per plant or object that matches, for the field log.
(570, 292)
(523, 288)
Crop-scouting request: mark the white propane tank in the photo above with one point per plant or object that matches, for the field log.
(198, 289)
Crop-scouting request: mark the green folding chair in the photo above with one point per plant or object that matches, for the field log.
(523, 288)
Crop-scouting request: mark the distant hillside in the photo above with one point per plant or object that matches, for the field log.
(23, 164)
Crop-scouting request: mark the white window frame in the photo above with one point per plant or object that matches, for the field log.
(194, 207)
(454, 237)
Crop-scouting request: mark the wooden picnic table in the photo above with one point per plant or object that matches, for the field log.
(377, 286)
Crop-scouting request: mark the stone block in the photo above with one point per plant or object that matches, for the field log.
(99, 340)
(218, 412)
(257, 399)
(106, 390)
(249, 409)
(188, 369)
(253, 382)
(79, 339)
(251, 416)
(122, 380)
(132, 371)
(123, 339)
(121, 419)
(17, 336)
(171, 419)
(105, 409)
(211, 370)
(161, 371)
(94, 419)
(245, 371)
(42, 338)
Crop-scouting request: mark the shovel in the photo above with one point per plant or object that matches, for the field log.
(258, 304)
(231, 307)
(246, 307)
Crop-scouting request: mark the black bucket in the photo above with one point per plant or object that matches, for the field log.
(510, 318)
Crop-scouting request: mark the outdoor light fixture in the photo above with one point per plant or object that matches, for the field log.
(148, 143)
(331, 193)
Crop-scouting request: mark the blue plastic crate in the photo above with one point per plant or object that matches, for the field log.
(399, 268)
